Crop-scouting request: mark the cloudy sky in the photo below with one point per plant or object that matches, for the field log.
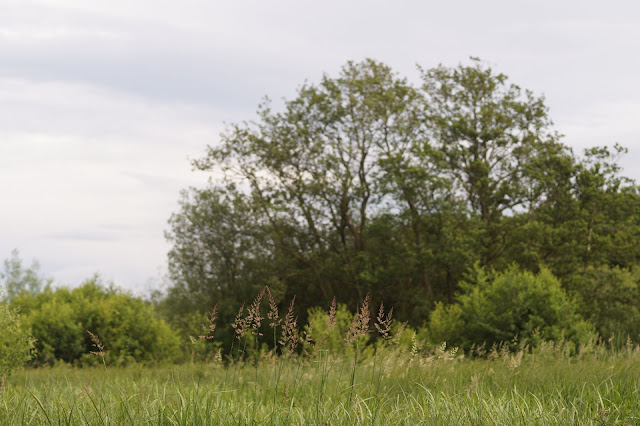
(103, 103)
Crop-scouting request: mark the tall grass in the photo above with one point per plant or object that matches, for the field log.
(396, 387)
(298, 381)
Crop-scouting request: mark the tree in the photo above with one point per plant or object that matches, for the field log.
(610, 209)
(590, 216)
(491, 135)
(610, 299)
(15, 279)
(365, 183)
(314, 174)
(220, 255)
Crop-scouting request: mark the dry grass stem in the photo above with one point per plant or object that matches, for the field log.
(273, 315)
(308, 339)
(210, 327)
(360, 325)
(97, 344)
(290, 329)
(331, 321)
(383, 325)
(239, 324)
(254, 318)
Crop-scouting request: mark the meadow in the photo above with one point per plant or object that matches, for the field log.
(547, 385)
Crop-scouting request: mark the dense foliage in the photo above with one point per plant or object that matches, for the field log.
(366, 183)
(453, 200)
(495, 308)
(610, 299)
(129, 328)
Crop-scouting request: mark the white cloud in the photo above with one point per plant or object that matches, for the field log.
(90, 176)
(103, 102)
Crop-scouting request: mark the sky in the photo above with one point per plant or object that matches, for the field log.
(104, 103)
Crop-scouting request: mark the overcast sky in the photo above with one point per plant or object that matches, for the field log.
(103, 103)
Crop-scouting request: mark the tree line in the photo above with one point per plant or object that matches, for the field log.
(452, 200)
(367, 183)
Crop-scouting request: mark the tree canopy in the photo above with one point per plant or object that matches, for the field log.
(368, 183)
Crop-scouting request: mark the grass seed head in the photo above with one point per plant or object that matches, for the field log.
(331, 320)
(414, 345)
(360, 324)
(383, 324)
(97, 344)
(273, 315)
(254, 318)
(290, 329)
(239, 324)
(210, 327)
(308, 339)
(99, 347)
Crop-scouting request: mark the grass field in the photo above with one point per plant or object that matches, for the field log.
(392, 387)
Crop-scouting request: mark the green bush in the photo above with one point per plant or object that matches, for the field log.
(59, 331)
(127, 326)
(496, 307)
(16, 343)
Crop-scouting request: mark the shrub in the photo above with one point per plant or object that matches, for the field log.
(496, 307)
(58, 330)
(16, 343)
(127, 326)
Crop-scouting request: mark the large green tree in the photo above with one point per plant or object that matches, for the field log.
(366, 183)
(492, 135)
(321, 170)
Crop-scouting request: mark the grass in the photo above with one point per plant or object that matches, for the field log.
(393, 387)
(387, 382)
